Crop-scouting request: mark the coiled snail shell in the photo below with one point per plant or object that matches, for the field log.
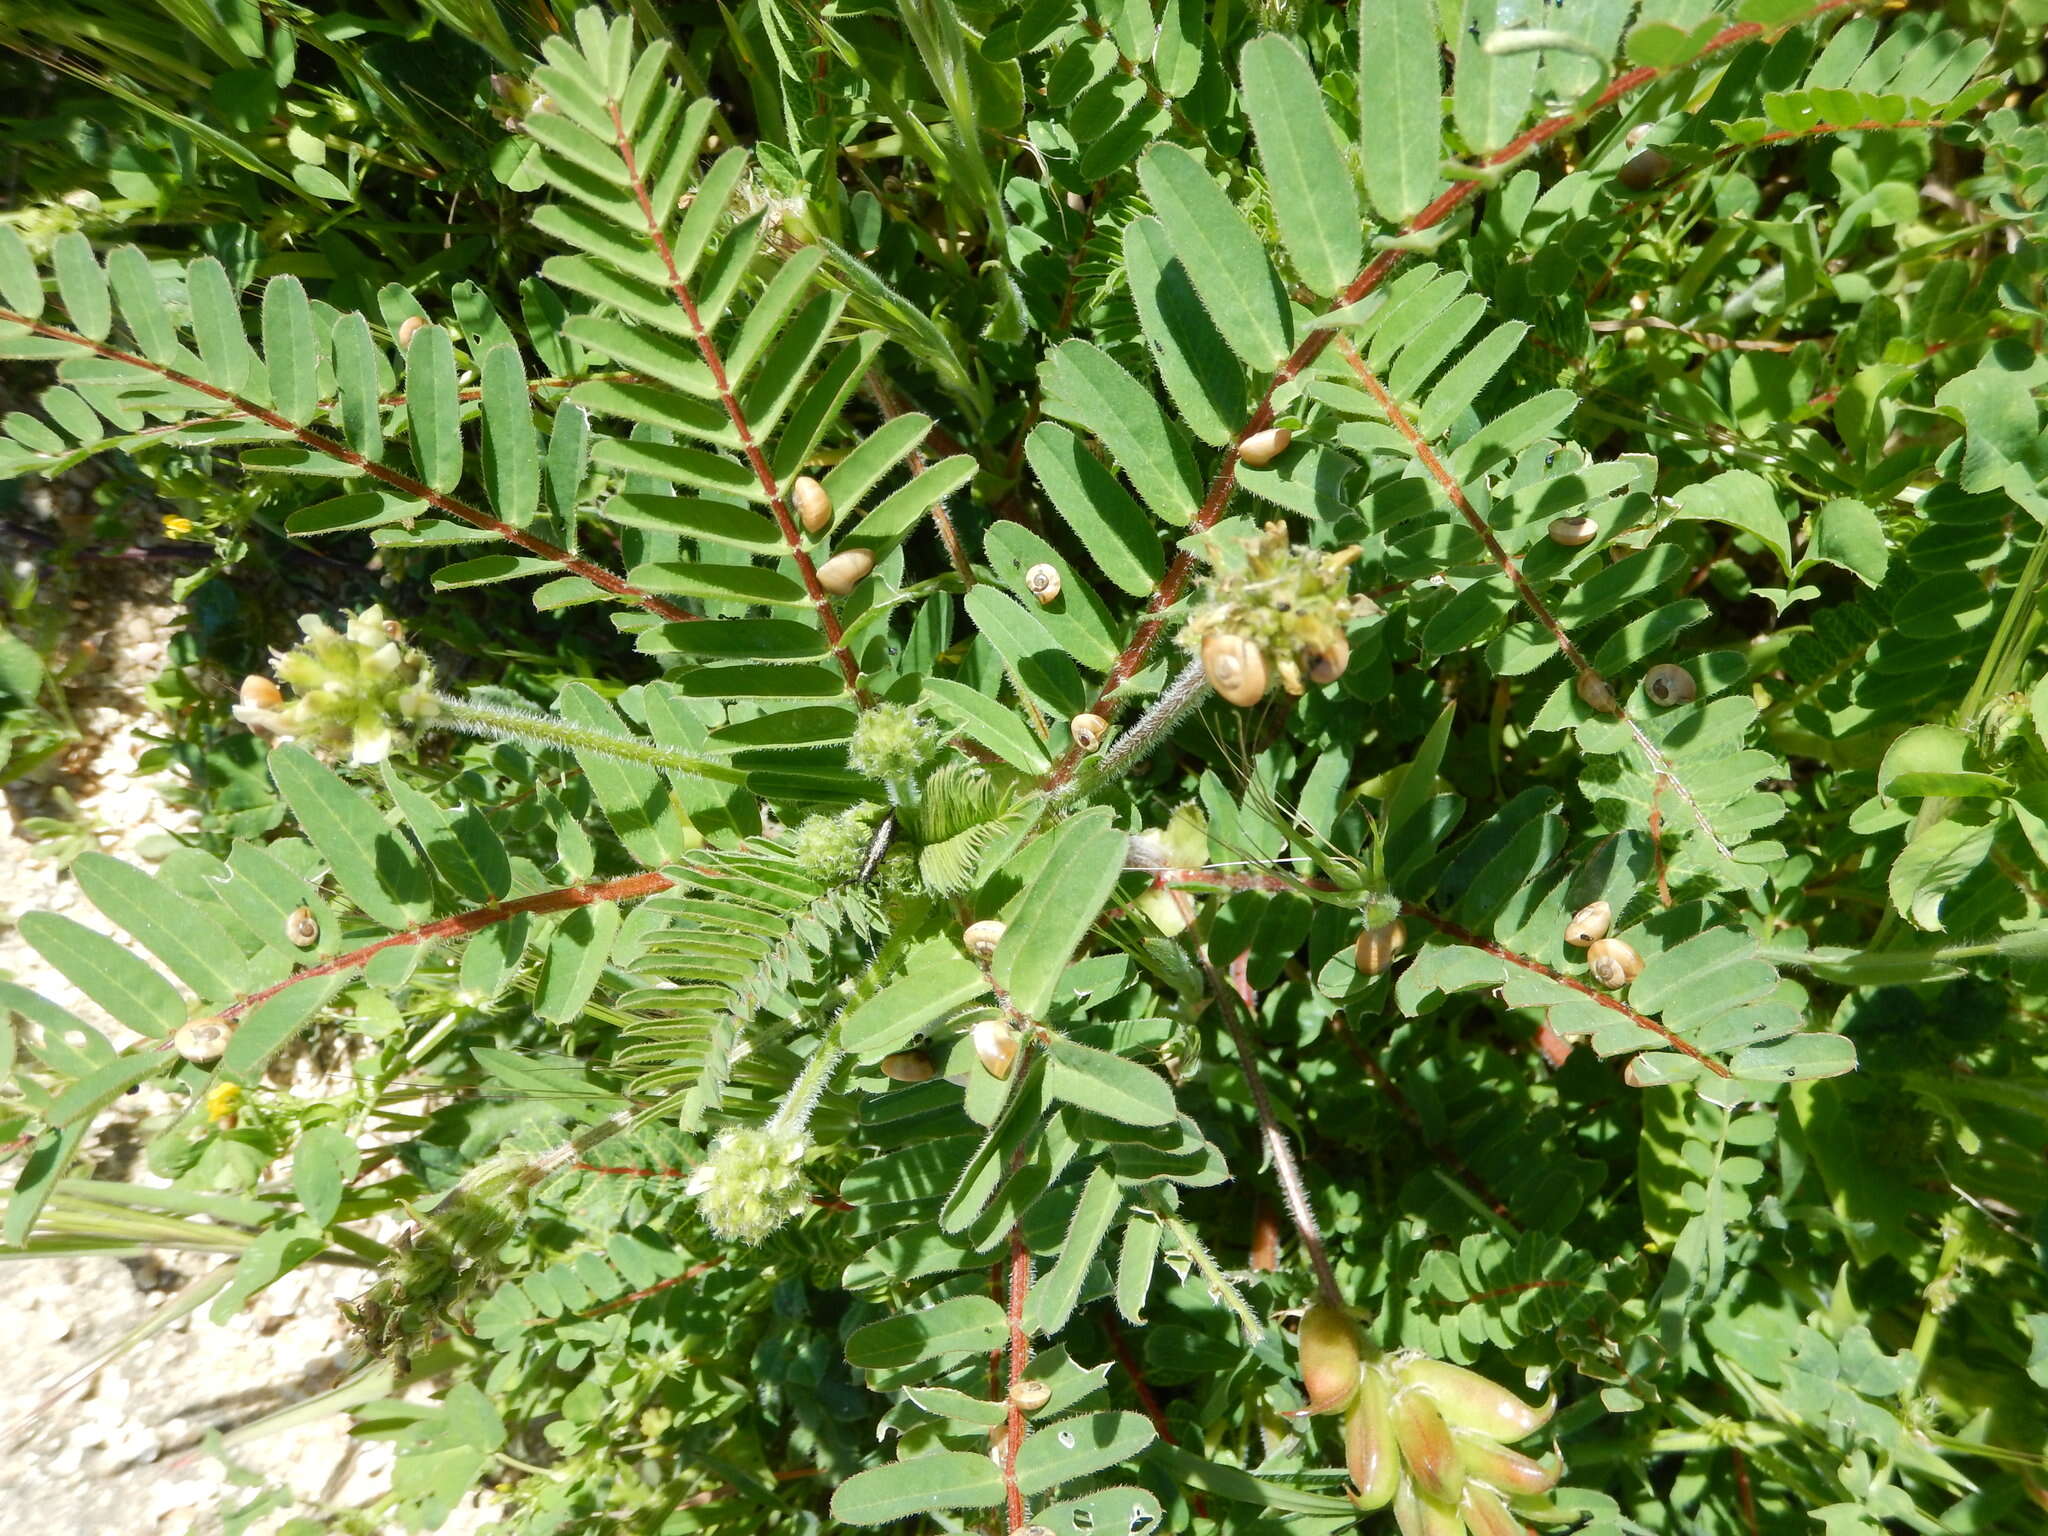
(1088, 731)
(408, 328)
(1326, 663)
(982, 938)
(1235, 668)
(1614, 963)
(259, 692)
(845, 571)
(1377, 947)
(203, 1040)
(1669, 684)
(1044, 583)
(1573, 531)
(302, 928)
(995, 1046)
(908, 1067)
(1262, 448)
(813, 504)
(1595, 692)
(1030, 1395)
(1643, 170)
(1589, 923)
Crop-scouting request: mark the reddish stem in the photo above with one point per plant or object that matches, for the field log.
(1020, 1357)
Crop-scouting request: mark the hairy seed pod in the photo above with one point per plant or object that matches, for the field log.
(1573, 531)
(1668, 685)
(1235, 668)
(1590, 922)
(995, 1045)
(1498, 1467)
(1419, 1516)
(1596, 693)
(1377, 947)
(1614, 963)
(1262, 448)
(1427, 1449)
(1486, 1513)
(1643, 170)
(203, 1040)
(813, 505)
(1088, 731)
(1326, 663)
(1044, 583)
(908, 1067)
(1329, 1357)
(1370, 1454)
(259, 692)
(1470, 1401)
(302, 928)
(1030, 1395)
(982, 938)
(408, 328)
(845, 571)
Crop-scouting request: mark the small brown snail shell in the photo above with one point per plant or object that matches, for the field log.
(1595, 693)
(302, 928)
(259, 692)
(845, 571)
(203, 1039)
(1088, 731)
(1030, 1395)
(1614, 963)
(1573, 531)
(408, 328)
(813, 505)
(982, 938)
(1377, 947)
(995, 1046)
(1643, 170)
(1044, 583)
(1668, 685)
(1589, 923)
(908, 1067)
(1262, 448)
(1326, 663)
(1235, 668)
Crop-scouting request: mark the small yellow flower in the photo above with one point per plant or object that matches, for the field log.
(222, 1100)
(177, 527)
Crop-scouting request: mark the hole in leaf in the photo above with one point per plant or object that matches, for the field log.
(1067, 1438)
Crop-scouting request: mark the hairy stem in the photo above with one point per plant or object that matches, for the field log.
(498, 722)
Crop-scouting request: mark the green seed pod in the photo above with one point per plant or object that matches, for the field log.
(1486, 1513)
(1369, 1449)
(1427, 1449)
(1470, 1401)
(1329, 1357)
(1417, 1515)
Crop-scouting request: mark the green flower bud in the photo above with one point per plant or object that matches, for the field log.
(357, 692)
(752, 1182)
(892, 741)
(1369, 1449)
(1329, 1358)
(1427, 1449)
(1469, 1401)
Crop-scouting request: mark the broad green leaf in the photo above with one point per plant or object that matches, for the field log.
(1057, 908)
(1935, 862)
(939, 1480)
(141, 305)
(371, 864)
(355, 382)
(963, 1326)
(1936, 760)
(1108, 1084)
(81, 285)
(1400, 105)
(291, 356)
(21, 286)
(1065, 1449)
(1076, 619)
(1115, 1510)
(224, 348)
(1795, 1060)
(1313, 195)
(1053, 1295)
(1225, 260)
(1110, 525)
(1491, 94)
(1036, 662)
(128, 987)
(871, 458)
(1086, 386)
(323, 1164)
(1743, 501)
(432, 410)
(511, 453)
(1848, 534)
(192, 946)
(896, 514)
(936, 979)
(1202, 375)
(574, 960)
(678, 462)
(726, 583)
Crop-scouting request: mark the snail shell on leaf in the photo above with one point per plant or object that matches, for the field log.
(1044, 583)
(1668, 684)
(908, 1067)
(1088, 731)
(1595, 693)
(813, 505)
(1235, 668)
(302, 928)
(1262, 448)
(1643, 170)
(1573, 531)
(1030, 1394)
(1377, 947)
(203, 1040)
(1326, 663)
(845, 571)
(408, 328)
(1614, 963)
(1590, 922)
(995, 1046)
(982, 938)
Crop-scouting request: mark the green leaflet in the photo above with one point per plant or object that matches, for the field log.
(573, 961)
(936, 979)
(290, 353)
(1053, 1295)
(1225, 260)
(432, 411)
(1109, 524)
(129, 988)
(939, 1480)
(1491, 93)
(983, 720)
(1057, 908)
(1108, 1085)
(184, 937)
(373, 867)
(963, 1326)
(81, 285)
(1313, 194)
(1134, 1261)
(1085, 386)
(511, 452)
(1058, 1452)
(1207, 383)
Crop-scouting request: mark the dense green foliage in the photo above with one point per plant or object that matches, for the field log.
(852, 1027)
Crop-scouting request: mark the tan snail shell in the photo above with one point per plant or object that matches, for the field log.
(982, 938)
(1030, 1395)
(1088, 731)
(1614, 963)
(203, 1039)
(1595, 693)
(1262, 448)
(1377, 947)
(1326, 663)
(1573, 531)
(1235, 668)
(1590, 922)
(302, 928)
(408, 328)
(845, 571)
(1668, 685)
(995, 1046)
(1044, 583)
(813, 505)
(1643, 170)
(907, 1067)
(259, 692)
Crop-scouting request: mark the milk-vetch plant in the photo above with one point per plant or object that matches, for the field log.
(932, 1053)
